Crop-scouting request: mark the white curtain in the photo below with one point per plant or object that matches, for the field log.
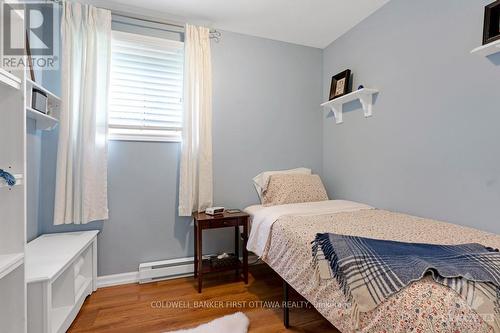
(81, 177)
(195, 185)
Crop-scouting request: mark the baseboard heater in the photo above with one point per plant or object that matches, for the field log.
(165, 269)
(170, 269)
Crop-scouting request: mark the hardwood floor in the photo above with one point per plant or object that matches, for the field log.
(175, 304)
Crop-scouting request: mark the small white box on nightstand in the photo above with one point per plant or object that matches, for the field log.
(214, 210)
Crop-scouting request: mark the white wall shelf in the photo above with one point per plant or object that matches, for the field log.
(43, 121)
(19, 181)
(50, 95)
(9, 262)
(488, 49)
(9, 79)
(365, 96)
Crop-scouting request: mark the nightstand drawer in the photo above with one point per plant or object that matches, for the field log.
(220, 223)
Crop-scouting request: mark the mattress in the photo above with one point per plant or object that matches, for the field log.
(423, 306)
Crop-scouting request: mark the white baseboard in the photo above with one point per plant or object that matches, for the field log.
(117, 279)
(133, 277)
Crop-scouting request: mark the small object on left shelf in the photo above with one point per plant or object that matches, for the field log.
(39, 100)
(8, 177)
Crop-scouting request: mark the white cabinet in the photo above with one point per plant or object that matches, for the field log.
(12, 301)
(61, 271)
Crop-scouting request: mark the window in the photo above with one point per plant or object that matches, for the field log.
(146, 88)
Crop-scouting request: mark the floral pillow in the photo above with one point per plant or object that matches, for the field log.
(293, 188)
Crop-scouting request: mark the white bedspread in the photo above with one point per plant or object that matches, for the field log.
(264, 217)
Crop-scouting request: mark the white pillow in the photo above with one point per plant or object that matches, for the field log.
(262, 179)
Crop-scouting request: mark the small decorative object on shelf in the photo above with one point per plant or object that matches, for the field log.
(340, 84)
(360, 87)
(491, 30)
(214, 210)
(39, 100)
(224, 260)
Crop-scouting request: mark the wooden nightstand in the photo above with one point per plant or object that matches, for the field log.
(203, 221)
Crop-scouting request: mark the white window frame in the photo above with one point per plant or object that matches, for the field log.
(155, 42)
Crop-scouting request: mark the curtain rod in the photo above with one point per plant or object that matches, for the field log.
(142, 18)
(153, 20)
(214, 33)
(127, 15)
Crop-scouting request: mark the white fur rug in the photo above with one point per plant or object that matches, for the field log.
(235, 323)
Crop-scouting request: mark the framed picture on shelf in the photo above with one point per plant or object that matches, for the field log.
(340, 84)
(491, 30)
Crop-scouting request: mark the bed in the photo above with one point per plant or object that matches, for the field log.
(281, 235)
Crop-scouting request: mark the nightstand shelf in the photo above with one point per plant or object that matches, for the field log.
(206, 267)
(226, 220)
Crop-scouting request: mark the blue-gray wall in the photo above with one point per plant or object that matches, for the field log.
(266, 116)
(432, 147)
(34, 138)
(33, 159)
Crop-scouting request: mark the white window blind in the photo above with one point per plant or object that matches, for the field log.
(146, 88)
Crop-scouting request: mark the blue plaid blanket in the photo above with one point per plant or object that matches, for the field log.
(370, 270)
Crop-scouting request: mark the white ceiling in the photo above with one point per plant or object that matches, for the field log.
(313, 23)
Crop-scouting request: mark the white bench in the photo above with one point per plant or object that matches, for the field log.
(61, 271)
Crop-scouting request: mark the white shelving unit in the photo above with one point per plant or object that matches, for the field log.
(43, 121)
(365, 96)
(488, 49)
(59, 281)
(9, 262)
(13, 199)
